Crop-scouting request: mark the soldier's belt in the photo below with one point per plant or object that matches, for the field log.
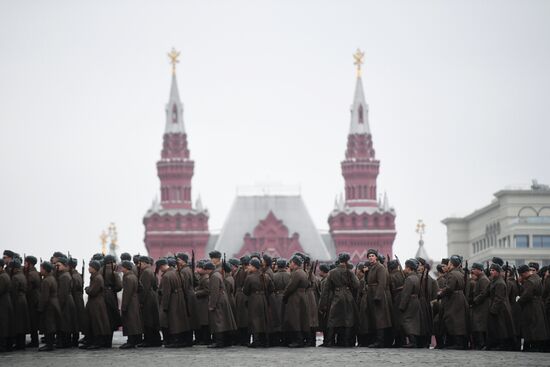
(341, 289)
(372, 283)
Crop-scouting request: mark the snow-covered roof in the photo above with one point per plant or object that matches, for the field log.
(248, 211)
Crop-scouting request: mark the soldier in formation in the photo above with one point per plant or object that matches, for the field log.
(259, 302)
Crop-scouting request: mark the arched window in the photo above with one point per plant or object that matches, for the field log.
(360, 113)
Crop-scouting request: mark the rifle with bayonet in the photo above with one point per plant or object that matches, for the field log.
(466, 271)
(399, 266)
(506, 274)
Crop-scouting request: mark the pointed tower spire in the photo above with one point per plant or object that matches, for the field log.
(198, 204)
(359, 123)
(174, 107)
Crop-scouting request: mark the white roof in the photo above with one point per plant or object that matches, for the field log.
(174, 110)
(247, 212)
(359, 125)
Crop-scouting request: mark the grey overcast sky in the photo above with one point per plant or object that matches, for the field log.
(458, 94)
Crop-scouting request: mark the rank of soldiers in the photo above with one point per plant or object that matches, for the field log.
(257, 301)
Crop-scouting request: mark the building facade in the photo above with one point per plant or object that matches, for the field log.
(514, 226)
(274, 223)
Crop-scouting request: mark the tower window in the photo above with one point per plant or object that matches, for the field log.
(360, 113)
(174, 114)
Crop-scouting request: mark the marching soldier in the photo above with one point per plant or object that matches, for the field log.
(378, 299)
(364, 329)
(241, 316)
(454, 305)
(499, 319)
(513, 289)
(149, 302)
(99, 328)
(229, 283)
(78, 297)
(174, 320)
(33, 297)
(436, 306)
(341, 283)
(6, 309)
(19, 301)
(296, 318)
(428, 292)
(256, 288)
(397, 280)
(533, 320)
(69, 323)
(48, 306)
(129, 307)
(220, 315)
(113, 285)
(202, 292)
(312, 302)
(188, 278)
(409, 305)
(280, 281)
(480, 306)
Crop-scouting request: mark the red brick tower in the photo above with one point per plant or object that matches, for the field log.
(361, 222)
(173, 225)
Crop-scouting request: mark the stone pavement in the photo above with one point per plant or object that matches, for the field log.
(244, 357)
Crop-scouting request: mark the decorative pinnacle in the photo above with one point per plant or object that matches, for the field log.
(173, 55)
(358, 57)
(420, 228)
(103, 237)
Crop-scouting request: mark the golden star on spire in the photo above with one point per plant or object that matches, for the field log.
(420, 228)
(173, 55)
(358, 57)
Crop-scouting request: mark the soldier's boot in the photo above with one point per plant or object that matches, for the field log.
(96, 343)
(130, 343)
(349, 337)
(20, 342)
(439, 342)
(34, 340)
(3, 343)
(218, 341)
(398, 341)
(188, 338)
(328, 338)
(310, 338)
(413, 342)
(74, 339)
(379, 343)
(297, 340)
(108, 341)
(255, 341)
(49, 340)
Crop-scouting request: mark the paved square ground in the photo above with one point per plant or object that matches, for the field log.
(244, 357)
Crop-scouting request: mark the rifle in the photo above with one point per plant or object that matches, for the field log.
(506, 274)
(399, 265)
(178, 270)
(466, 271)
(487, 271)
(83, 280)
(517, 277)
(193, 261)
(223, 266)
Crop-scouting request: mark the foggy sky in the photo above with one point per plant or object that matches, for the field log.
(458, 93)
